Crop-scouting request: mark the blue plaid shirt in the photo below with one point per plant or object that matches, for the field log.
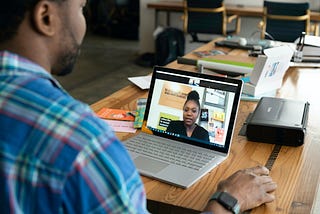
(56, 156)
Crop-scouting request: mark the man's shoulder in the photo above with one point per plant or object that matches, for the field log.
(53, 118)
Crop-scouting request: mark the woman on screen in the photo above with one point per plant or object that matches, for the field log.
(188, 127)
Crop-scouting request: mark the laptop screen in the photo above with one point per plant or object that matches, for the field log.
(192, 108)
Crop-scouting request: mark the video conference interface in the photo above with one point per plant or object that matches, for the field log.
(216, 106)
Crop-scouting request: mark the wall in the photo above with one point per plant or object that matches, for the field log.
(147, 24)
(146, 27)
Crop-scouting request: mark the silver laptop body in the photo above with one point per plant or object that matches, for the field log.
(174, 158)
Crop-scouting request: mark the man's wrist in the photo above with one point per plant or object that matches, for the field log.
(214, 207)
(227, 201)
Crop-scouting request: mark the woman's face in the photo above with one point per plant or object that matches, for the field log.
(190, 112)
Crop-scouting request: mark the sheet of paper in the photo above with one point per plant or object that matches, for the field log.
(305, 64)
(142, 82)
(121, 126)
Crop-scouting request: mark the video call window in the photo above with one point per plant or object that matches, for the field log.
(168, 102)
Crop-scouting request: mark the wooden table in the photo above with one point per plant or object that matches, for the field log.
(296, 169)
(241, 10)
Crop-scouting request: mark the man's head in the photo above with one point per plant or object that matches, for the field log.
(48, 32)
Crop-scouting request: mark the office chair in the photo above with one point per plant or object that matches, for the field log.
(207, 17)
(284, 21)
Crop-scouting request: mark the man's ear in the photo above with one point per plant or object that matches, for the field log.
(45, 17)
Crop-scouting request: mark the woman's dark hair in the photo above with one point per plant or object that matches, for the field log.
(194, 96)
(12, 12)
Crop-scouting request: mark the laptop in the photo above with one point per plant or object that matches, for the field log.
(175, 158)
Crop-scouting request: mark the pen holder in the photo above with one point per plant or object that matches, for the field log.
(297, 56)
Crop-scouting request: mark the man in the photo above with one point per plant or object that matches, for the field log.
(56, 156)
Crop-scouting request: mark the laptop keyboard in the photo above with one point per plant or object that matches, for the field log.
(168, 152)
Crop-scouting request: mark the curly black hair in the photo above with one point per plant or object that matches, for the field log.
(12, 13)
(194, 96)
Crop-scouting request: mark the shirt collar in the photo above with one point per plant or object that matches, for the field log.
(13, 63)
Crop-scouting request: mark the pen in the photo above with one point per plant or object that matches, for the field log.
(301, 41)
(131, 114)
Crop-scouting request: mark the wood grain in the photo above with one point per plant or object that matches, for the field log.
(296, 170)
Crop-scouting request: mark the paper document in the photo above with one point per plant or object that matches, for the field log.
(142, 82)
(121, 126)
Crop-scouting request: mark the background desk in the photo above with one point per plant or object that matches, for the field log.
(151, 14)
(296, 170)
(176, 6)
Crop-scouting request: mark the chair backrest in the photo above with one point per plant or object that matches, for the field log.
(285, 21)
(205, 16)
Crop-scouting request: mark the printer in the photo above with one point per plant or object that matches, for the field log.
(278, 121)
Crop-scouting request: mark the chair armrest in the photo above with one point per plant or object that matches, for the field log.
(238, 22)
(231, 18)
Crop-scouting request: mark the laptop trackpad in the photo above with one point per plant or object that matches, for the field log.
(149, 165)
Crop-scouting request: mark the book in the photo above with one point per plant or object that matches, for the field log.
(139, 114)
(116, 114)
(229, 64)
(208, 53)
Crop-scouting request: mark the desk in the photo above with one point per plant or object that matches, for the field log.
(296, 170)
(176, 6)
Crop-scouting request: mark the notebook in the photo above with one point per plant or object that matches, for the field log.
(175, 158)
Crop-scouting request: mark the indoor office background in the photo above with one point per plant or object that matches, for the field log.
(106, 62)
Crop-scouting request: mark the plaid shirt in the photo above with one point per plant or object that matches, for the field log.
(56, 156)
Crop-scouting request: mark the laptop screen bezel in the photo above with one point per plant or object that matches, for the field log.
(158, 71)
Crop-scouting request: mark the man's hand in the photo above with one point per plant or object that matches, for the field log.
(251, 187)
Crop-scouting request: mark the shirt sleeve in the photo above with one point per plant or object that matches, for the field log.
(104, 180)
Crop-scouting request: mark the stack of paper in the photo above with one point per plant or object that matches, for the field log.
(311, 48)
